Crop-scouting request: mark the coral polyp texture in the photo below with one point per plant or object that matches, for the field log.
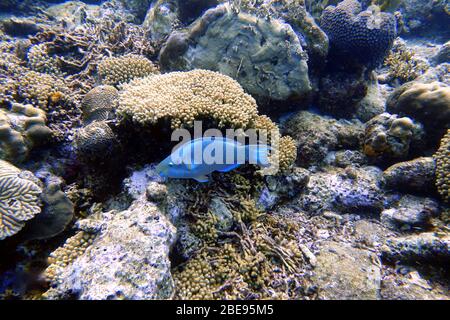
(442, 158)
(186, 96)
(19, 199)
(363, 36)
(95, 140)
(22, 127)
(99, 103)
(120, 70)
(40, 61)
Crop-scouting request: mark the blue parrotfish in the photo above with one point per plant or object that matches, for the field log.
(198, 158)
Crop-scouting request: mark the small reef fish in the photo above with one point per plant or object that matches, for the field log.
(200, 157)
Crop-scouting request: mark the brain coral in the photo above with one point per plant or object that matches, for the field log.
(186, 96)
(442, 158)
(99, 103)
(119, 70)
(19, 199)
(21, 128)
(365, 37)
(94, 140)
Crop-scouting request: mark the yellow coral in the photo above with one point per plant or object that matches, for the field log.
(442, 158)
(120, 70)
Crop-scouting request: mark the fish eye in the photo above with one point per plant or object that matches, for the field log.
(171, 164)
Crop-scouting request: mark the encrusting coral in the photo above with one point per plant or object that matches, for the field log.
(388, 136)
(120, 70)
(362, 36)
(19, 195)
(442, 158)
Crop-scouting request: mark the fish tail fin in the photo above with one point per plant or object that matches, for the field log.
(258, 154)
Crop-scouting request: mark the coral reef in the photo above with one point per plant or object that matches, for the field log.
(94, 141)
(362, 36)
(186, 96)
(316, 135)
(120, 70)
(428, 103)
(133, 245)
(442, 158)
(417, 175)
(264, 56)
(403, 64)
(40, 61)
(389, 137)
(99, 104)
(22, 128)
(19, 191)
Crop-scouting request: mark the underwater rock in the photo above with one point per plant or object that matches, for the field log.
(443, 55)
(427, 103)
(364, 37)
(314, 40)
(57, 211)
(316, 135)
(73, 13)
(440, 73)
(265, 57)
(346, 273)
(340, 92)
(345, 158)
(343, 191)
(162, 19)
(20, 27)
(389, 137)
(20, 192)
(129, 258)
(427, 246)
(138, 8)
(410, 287)
(99, 104)
(137, 183)
(423, 16)
(22, 128)
(417, 175)
(282, 187)
(410, 212)
(372, 104)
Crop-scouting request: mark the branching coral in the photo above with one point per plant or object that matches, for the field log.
(186, 96)
(40, 61)
(404, 64)
(19, 199)
(120, 70)
(442, 158)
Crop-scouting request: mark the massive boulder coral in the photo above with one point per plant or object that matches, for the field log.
(21, 128)
(442, 158)
(389, 137)
(120, 70)
(428, 103)
(264, 56)
(128, 259)
(99, 104)
(19, 195)
(358, 36)
(94, 141)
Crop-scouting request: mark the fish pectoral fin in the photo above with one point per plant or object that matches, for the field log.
(202, 178)
(228, 169)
